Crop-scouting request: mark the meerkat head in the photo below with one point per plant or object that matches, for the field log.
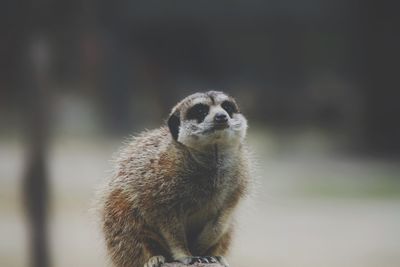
(209, 118)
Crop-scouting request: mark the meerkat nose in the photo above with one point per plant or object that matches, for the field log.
(220, 118)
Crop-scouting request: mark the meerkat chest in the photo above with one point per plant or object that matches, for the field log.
(209, 191)
(215, 177)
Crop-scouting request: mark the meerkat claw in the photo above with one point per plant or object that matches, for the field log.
(189, 260)
(155, 261)
(203, 259)
(211, 259)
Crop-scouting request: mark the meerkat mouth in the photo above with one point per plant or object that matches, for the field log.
(215, 128)
(220, 126)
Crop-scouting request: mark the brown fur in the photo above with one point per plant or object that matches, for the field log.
(162, 201)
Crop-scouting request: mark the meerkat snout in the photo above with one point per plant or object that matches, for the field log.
(220, 118)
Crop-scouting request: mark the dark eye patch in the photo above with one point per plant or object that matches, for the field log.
(198, 112)
(229, 107)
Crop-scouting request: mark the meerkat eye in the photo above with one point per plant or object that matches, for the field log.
(229, 107)
(198, 112)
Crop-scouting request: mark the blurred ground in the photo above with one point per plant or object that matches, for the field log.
(309, 207)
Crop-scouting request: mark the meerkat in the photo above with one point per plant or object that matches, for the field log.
(174, 191)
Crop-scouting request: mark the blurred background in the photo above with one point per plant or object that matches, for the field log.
(317, 79)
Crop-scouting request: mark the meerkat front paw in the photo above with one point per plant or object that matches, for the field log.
(203, 259)
(155, 261)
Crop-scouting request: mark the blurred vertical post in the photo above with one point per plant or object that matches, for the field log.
(36, 189)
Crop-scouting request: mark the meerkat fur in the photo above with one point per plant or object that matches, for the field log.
(174, 190)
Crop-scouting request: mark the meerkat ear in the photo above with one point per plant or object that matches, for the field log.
(173, 123)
